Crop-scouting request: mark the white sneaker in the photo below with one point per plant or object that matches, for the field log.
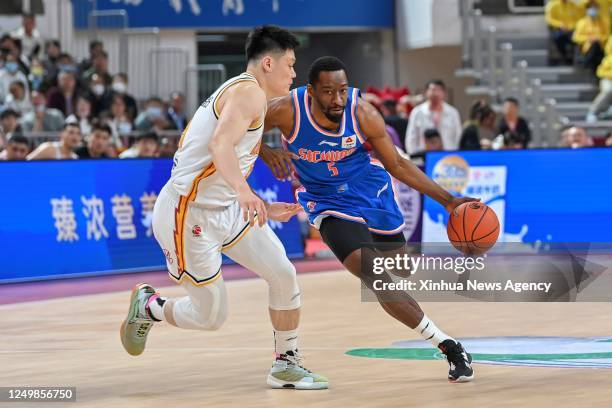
(287, 372)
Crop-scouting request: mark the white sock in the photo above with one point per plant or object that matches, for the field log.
(156, 307)
(430, 331)
(285, 341)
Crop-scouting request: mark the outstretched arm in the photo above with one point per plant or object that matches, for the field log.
(404, 170)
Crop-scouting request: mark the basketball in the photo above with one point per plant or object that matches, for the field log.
(473, 228)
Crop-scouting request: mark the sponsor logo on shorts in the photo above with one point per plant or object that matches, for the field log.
(311, 205)
(557, 352)
(196, 231)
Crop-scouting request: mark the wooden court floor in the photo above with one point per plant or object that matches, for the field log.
(74, 341)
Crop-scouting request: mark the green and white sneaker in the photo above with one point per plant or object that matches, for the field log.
(136, 326)
(287, 372)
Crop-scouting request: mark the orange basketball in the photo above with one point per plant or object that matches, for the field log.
(473, 228)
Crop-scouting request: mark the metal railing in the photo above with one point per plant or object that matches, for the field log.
(168, 70)
(493, 66)
(519, 7)
(202, 81)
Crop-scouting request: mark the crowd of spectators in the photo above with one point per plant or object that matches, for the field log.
(44, 89)
(580, 31)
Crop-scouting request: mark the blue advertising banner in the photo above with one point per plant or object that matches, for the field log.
(201, 14)
(92, 217)
(540, 196)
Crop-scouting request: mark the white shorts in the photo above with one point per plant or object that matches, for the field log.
(192, 238)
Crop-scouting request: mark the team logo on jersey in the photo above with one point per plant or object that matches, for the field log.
(196, 231)
(311, 205)
(326, 142)
(348, 142)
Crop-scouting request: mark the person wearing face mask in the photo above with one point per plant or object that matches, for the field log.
(98, 93)
(42, 119)
(590, 35)
(120, 87)
(153, 117)
(9, 74)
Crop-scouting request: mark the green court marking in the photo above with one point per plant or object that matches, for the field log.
(433, 354)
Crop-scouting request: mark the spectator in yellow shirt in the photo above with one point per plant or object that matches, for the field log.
(561, 17)
(590, 34)
(603, 100)
(605, 6)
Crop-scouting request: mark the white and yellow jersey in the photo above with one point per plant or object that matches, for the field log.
(193, 174)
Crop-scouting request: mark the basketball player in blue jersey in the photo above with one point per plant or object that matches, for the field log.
(348, 196)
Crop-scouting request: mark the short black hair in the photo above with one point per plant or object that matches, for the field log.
(53, 42)
(155, 99)
(96, 125)
(9, 112)
(437, 82)
(69, 123)
(268, 38)
(431, 133)
(148, 136)
(95, 43)
(324, 64)
(512, 100)
(19, 83)
(28, 15)
(18, 138)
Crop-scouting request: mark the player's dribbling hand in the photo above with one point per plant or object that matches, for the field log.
(283, 211)
(456, 201)
(251, 205)
(278, 160)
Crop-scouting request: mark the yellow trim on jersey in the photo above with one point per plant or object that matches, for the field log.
(238, 79)
(250, 78)
(180, 143)
(181, 215)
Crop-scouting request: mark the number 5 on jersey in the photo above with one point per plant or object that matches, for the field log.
(331, 167)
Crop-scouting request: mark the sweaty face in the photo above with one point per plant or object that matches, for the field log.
(330, 93)
(282, 72)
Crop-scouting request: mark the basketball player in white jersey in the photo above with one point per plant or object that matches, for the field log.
(207, 208)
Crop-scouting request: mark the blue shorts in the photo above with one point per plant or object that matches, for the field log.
(369, 200)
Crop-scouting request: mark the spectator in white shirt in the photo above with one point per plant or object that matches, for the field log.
(31, 41)
(434, 113)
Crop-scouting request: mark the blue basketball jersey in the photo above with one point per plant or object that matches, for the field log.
(338, 176)
(325, 157)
